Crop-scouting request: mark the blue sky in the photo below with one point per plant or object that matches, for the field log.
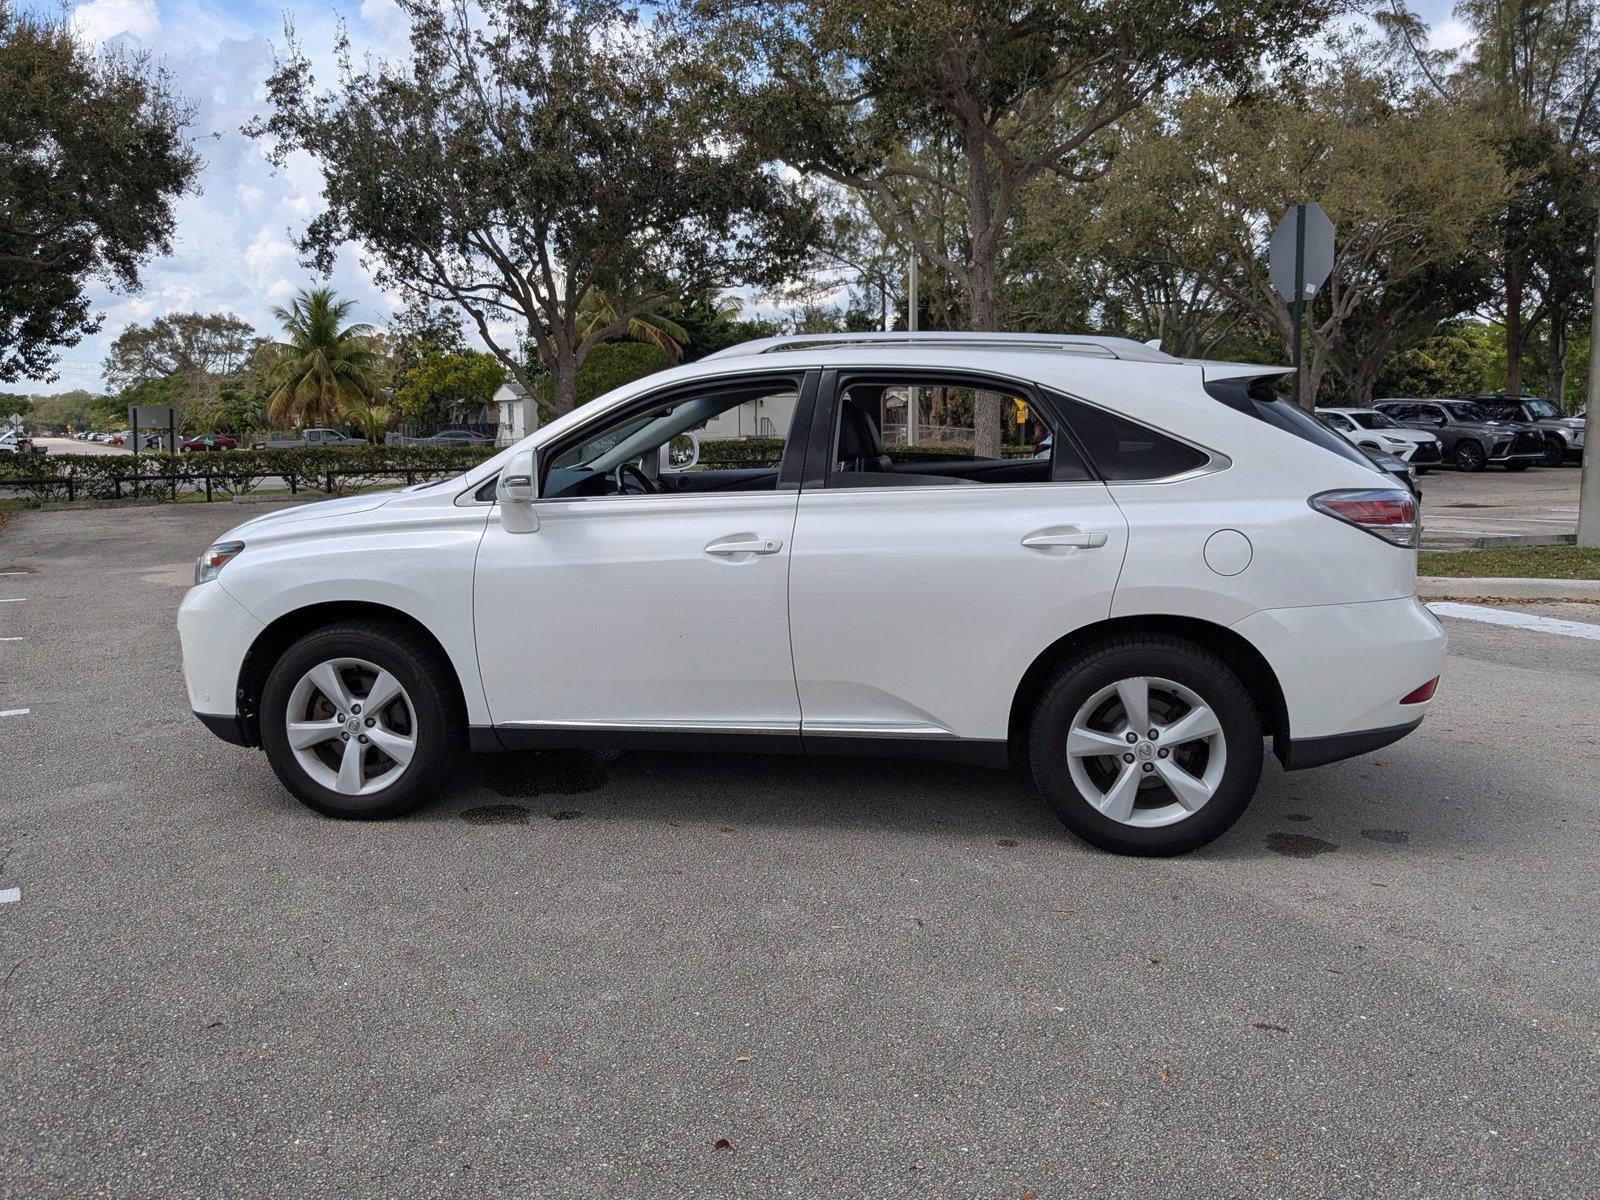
(233, 249)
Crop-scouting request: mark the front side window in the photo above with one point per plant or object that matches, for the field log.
(1337, 421)
(905, 431)
(1467, 412)
(727, 437)
(1374, 420)
(1542, 410)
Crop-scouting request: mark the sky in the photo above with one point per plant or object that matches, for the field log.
(233, 247)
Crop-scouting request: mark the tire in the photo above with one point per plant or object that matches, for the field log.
(1518, 466)
(1423, 470)
(1155, 824)
(426, 714)
(1469, 456)
(1555, 453)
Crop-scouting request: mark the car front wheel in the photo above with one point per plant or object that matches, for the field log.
(1469, 456)
(357, 723)
(1146, 745)
(1555, 453)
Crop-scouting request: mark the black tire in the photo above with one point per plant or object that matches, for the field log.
(1469, 456)
(1518, 466)
(1075, 682)
(1423, 470)
(1555, 452)
(427, 678)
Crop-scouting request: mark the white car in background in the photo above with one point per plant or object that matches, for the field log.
(1372, 430)
(1195, 566)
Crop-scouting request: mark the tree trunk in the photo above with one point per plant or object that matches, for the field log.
(1555, 370)
(988, 408)
(1514, 334)
(563, 383)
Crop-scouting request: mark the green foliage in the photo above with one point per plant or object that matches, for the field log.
(94, 476)
(323, 365)
(610, 365)
(439, 384)
(92, 158)
(180, 344)
(1463, 356)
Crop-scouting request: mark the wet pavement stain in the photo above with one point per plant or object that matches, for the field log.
(524, 775)
(1006, 842)
(1393, 837)
(496, 814)
(1269, 1027)
(1298, 845)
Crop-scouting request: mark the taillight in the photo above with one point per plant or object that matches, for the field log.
(1388, 513)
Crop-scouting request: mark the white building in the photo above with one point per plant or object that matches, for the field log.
(518, 415)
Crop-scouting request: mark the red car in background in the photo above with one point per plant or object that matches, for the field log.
(209, 441)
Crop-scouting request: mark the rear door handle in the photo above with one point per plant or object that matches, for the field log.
(739, 544)
(1044, 538)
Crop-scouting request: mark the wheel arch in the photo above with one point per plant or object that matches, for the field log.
(280, 634)
(1257, 675)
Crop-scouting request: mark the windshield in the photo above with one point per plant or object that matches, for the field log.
(1375, 420)
(1462, 411)
(1542, 410)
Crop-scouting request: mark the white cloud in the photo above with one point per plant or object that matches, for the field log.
(1449, 34)
(102, 20)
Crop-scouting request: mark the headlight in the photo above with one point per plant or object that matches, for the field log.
(209, 565)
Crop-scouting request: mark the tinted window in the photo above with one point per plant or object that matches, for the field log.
(1468, 412)
(1122, 450)
(1542, 410)
(1373, 420)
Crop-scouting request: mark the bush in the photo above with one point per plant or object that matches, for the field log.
(98, 476)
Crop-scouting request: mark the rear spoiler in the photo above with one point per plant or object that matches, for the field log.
(1213, 371)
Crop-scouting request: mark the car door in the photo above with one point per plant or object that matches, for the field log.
(924, 580)
(649, 613)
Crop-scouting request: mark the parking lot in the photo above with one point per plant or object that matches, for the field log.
(694, 976)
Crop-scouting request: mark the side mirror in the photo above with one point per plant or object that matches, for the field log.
(681, 453)
(516, 490)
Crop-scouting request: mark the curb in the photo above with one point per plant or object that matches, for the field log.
(1438, 588)
(1445, 543)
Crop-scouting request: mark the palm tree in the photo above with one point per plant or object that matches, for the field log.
(373, 418)
(651, 324)
(322, 366)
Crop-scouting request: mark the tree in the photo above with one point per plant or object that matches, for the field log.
(371, 417)
(323, 365)
(921, 104)
(612, 364)
(180, 344)
(651, 322)
(92, 158)
(530, 152)
(440, 384)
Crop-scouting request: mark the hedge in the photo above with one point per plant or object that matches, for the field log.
(233, 472)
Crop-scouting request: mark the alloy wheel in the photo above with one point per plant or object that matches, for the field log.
(1146, 751)
(351, 726)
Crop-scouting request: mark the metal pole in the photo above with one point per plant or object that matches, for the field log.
(913, 394)
(1589, 487)
(911, 296)
(1299, 289)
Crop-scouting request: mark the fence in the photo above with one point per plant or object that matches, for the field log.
(207, 482)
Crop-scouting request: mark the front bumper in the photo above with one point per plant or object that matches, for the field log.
(216, 632)
(1343, 669)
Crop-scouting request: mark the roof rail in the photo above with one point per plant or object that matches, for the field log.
(1125, 349)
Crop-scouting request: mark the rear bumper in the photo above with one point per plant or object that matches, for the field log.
(1343, 668)
(1298, 753)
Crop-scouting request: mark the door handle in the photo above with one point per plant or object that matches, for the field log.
(1045, 538)
(745, 546)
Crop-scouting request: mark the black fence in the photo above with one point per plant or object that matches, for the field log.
(207, 482)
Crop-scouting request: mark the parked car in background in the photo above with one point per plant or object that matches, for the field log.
(1473, 439)
(1563, 435)
(1398, 467)
(305, 437)
(14, 441)
(1370, 429)
(1202, 565)
(208, 441)
(456, 437)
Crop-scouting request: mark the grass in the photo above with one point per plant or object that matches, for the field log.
(1513, 562)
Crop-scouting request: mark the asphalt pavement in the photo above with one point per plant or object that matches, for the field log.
(676, 976)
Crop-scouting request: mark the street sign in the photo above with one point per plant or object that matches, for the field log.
(1299, 261)
(16, 420)
(1315, 236)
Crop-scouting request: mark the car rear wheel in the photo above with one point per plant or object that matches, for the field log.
(1469, 456)
(357, 723)
(1146, 745)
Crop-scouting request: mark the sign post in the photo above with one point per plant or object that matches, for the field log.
(1299, 261)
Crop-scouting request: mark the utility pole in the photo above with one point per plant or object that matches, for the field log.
(913, 394)
(1589, 487)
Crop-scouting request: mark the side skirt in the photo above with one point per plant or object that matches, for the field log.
(487, 739)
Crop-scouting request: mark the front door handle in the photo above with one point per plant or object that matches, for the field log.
(742, 544)
(1045, 538)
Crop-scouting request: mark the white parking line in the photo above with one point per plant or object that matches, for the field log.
(10, 639)
(14, 712)
(1516, 620)
(10, 895)
(12, 600)
(13, 572)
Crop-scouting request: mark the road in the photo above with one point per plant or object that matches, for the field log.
(1457, 507)
(574, 977)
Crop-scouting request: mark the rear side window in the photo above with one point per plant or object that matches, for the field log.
(1123, 451)
(1255, 398)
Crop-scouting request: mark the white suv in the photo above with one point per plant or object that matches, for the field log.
(790, 547)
